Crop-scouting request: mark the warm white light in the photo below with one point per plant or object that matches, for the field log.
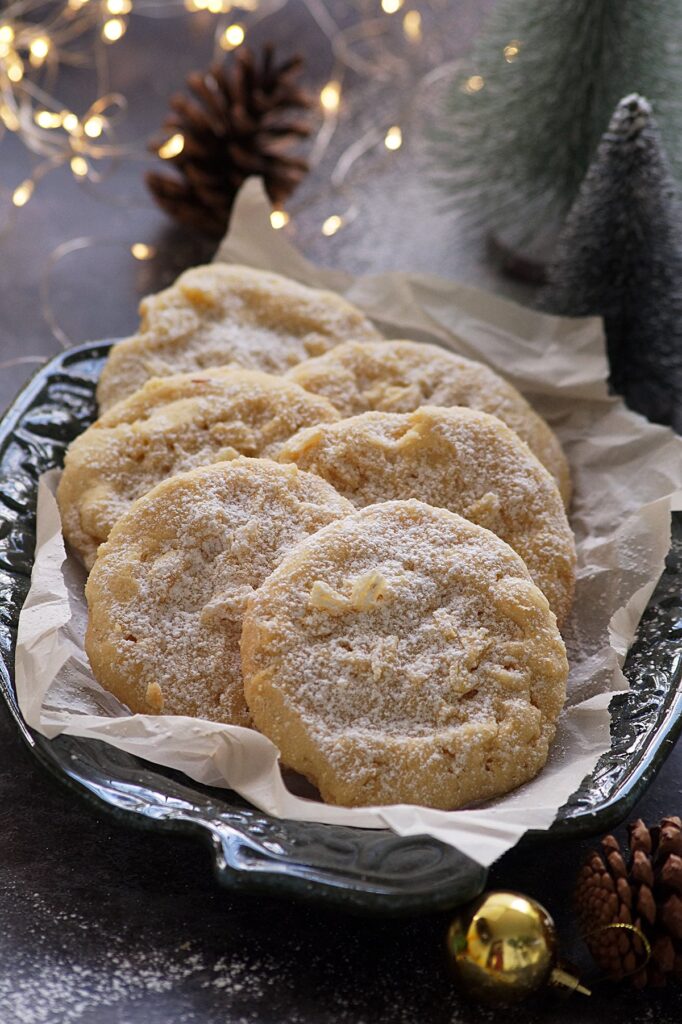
(94, 126)
(38, 50)
(6, 34)
(119, 6)
(215, 6)
(10, 119)
(172, 147)
(511, 50)
(474, 83)
(279, 219)
(412, 26)
(393, 138)
(332, 225)
(391, 6)
(47, 119)
(15, 72)
(69, 120)
(330, 96)
(75, 5)
(141, 251)
(113, 29)
(232, 36)
(79, 166)
(23, 193)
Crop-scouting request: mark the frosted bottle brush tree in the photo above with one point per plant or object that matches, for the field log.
(523, 119)
(619, 256)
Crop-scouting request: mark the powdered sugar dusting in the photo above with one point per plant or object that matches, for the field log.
(403, 654)
(459, 459)
(219, 314)
(168, 590)
(169, 426)
(400, 376)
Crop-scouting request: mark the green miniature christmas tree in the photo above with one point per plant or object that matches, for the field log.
(619, 256)
(523, 119)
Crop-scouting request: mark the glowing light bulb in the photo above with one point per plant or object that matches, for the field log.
(6, 34)
(38, 50)
(69, 120)
(113, 30)
(215, 6)
(330, 96)
(15, 71)
(94, 126)
(393, 138)
(474, 84)
(23, 193)
(391, 6)
(141, 251)
(279, 219)
(47, 119)
(119, 6)
(232, 37)
(511, 50)
(79, 166)
(172, 147)
(412, 26)
(332, 225)
(9, 118)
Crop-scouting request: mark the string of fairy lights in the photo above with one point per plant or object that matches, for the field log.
(387, 41)
(37, 37)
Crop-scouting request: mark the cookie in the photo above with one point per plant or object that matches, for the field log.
(170, 425)
(460, 459)
(399, 376)
(403, 655)
(223, 314)
(168, 590)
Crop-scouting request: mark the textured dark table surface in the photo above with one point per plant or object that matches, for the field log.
(101, 925)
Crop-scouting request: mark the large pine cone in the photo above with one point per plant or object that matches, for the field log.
(238, 123)
(645, 892)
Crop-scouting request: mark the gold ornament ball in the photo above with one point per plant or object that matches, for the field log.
(502, 948)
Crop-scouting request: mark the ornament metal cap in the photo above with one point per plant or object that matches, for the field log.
(503, 948)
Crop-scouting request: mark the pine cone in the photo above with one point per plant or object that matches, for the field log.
(646, 893)
(238, 124)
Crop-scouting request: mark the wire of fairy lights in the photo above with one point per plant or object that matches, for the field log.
(38, 37)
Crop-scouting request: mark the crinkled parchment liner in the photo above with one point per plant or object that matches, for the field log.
(626, 473)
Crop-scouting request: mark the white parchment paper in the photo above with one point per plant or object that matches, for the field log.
(626, 475)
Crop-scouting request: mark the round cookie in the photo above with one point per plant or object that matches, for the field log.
(459, 459)
(168, 590)
(170, 425)
(403, 655)
(219, 314)
(399, 376)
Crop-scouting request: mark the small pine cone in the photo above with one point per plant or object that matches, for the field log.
(238, 123)
(643, 893)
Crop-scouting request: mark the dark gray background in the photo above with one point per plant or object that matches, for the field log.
(103, 925)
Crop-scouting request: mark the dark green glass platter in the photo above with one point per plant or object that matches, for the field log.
(366, 870)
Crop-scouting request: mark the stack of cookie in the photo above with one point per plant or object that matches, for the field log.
(357, 546)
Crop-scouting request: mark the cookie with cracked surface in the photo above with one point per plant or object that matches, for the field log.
(404, 655)
(223, 314)
(466, 461)
(170, 425)
(399, 376)
(168, 590)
